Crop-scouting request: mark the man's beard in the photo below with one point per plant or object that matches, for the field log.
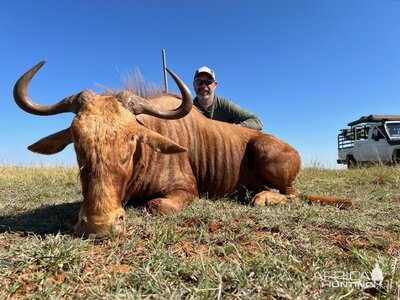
(204, 97)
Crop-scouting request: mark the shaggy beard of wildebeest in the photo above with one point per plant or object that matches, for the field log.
(160, 152)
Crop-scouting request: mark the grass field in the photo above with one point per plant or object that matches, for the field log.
(213, 249)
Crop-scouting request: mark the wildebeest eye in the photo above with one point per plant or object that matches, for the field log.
(125, 159)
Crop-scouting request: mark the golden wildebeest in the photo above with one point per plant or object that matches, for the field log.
(161, 153)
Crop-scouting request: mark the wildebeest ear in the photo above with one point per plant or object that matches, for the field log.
(53, 143)
(159, 142)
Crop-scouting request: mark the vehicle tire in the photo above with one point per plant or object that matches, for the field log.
(351, 163)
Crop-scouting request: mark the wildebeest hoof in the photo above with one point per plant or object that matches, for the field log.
(266, 197)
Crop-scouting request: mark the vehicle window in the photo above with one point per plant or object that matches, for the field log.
(393, 130)
(377, 133)
(362, 132)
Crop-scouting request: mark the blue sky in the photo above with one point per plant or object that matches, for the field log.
(306, 67)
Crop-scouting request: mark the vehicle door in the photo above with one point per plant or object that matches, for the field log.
(379, 145)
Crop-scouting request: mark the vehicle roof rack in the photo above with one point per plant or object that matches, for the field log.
(375, 118)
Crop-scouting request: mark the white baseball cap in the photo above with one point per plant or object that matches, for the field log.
(205, 69)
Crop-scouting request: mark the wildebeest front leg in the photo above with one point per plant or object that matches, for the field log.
(170, 203)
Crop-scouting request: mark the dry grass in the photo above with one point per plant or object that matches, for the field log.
(214, 249)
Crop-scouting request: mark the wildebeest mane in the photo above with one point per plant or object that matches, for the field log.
(137, 84)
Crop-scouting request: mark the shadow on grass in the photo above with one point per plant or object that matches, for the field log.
(44, 220)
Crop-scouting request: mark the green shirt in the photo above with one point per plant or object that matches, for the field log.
(225, 110)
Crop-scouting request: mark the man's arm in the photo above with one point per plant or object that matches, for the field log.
(238, 115)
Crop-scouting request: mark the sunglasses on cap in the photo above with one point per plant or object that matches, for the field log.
(200, 82)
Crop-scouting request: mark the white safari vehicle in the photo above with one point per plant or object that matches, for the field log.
(370, 139)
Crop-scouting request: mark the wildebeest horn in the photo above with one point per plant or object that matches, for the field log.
(138, 105)
(69, 104)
